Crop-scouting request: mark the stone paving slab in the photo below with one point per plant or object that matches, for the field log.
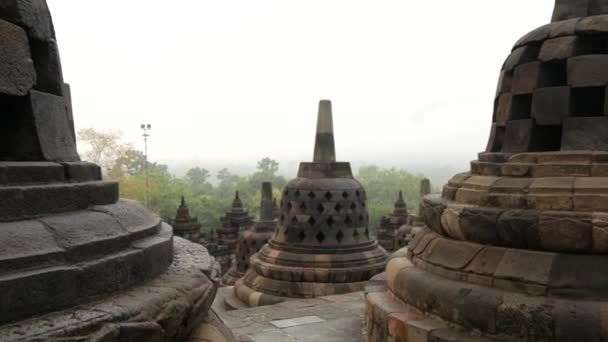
(338, 318)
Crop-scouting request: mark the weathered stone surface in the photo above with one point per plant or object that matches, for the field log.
(33, 15)
(600, 232)
(48, 67)
(525, 78)
(518, 135)
(551, 105)
(503, 109)
(519, 56)
(51, 126)
(518, 229)
(551, 193)
(527, 266)
(585, 133)
(486, 261)
(591, 194)
(567, 232)
(170, 307)
(558, 48)
(479, 224)
(78, 232)
(26, 244)
(588, 71)
(82, 171)
(451, 254)
(31, 172)
(17, 75)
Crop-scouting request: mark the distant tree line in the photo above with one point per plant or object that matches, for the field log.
(208, 202)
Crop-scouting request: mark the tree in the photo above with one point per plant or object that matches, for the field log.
(102, 148)
(267, 172)
(197, 178)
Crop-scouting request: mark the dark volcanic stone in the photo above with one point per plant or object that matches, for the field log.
(551, 105)
(588, 133)
(48, 66)
(519, 229)
(52, 125)
(33, 15)
(479, 224)
(17, 75)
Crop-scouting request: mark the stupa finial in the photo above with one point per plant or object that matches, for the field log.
(325, 151)
(568, 9)
(266, 203)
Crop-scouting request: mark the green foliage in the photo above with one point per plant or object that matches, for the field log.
(383, 186)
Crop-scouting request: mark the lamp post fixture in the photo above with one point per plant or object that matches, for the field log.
(145, 128)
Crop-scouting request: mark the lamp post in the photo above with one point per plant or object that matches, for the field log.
(145, 128)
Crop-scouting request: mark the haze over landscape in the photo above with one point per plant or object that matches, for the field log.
(229, 82)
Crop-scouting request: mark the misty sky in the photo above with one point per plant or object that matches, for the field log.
(240, 80)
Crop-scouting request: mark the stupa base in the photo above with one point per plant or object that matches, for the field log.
(170, 307)
(498, 293)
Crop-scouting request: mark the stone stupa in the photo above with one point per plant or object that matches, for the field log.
(233, 223)
(390, 223)
(254, 237)
(76, 262)
(517, 248)
(322, 244)
(184, 225)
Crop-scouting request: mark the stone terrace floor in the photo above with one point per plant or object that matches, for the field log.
(330, 319)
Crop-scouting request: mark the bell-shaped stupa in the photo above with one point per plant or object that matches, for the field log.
(322, 244)
(517, 248)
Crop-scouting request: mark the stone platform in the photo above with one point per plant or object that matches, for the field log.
(167, 308)
(336, 318)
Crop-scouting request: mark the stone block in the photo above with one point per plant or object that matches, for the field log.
(518, 136)
(585, 133)
(509, 192)
(577, 321)
(503, 109)
(420, 331)
(100, 193)
(486, 261)
(578, 272)
(25, 294)
(565, 231)
(17, 74)
(67, 95)
(485, 168)
(525, 78)
(526, 266)
(551, 105)
(48, 67)
(450, 221)
(588, 71)
(112, 273)
(517, 311)
(451, 254)
(566, 9)
(504, 83)
(431, 209)
(560, 48)
(51, 125)
(133, 216)
(479, 224)
(591, 194)
(20, 173)
(80, 235)
(520, 56)
(26, 244)
(33, 15)
(82, 171)
(518, 229)
(535, 36)
(563, 28)
(600, 232)
(496, 138)
(560, 169)
(551, 193)
(596, 23)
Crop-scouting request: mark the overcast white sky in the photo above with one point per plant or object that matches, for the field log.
(239, 80)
